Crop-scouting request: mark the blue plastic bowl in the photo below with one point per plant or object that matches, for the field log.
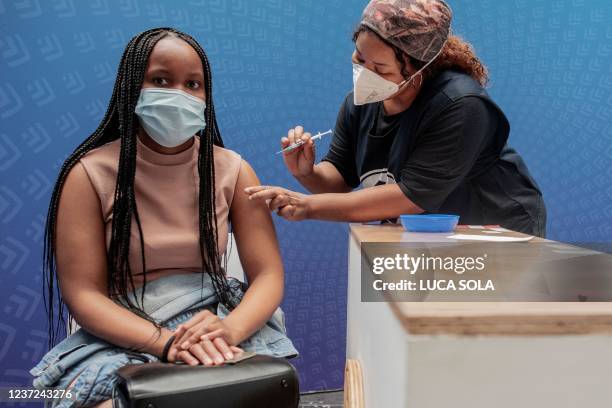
(429, 222)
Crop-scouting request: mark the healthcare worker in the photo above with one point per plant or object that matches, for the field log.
(418, 132)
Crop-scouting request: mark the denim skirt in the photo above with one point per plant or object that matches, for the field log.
(170, 300)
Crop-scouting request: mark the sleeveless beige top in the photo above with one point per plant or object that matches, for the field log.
(167, 188)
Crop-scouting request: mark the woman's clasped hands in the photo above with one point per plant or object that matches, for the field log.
(204, 339)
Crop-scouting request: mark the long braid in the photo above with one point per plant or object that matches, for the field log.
(49, 265)
(206, 168)
(120, 122)
(125, 201)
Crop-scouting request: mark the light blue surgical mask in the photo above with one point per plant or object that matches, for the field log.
(170, 116)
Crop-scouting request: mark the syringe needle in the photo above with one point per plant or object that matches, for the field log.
(301, 142)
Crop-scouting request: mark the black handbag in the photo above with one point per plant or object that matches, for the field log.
(260, 381)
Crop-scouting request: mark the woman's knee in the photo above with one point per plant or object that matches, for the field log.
(94, 383)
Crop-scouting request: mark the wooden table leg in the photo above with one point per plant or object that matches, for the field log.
(353, 385)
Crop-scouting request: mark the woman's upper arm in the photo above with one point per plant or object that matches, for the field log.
(253, 228)
(80, 240)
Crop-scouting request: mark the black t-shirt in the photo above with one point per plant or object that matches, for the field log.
(446, 152)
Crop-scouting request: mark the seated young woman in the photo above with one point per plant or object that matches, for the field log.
(137, 232)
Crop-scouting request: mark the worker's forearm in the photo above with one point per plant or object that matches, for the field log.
(369, 204)
(102, 317)
(323, 180)
(346, 207)
(257, 306)
(315, 182)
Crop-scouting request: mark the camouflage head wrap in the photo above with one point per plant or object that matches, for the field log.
(417, 27)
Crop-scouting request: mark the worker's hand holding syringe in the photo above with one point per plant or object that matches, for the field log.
(298, 151)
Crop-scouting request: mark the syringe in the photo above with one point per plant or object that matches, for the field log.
(301, 142)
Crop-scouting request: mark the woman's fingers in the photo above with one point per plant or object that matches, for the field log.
(222, 344)
(212, 351)
(211, 335)
(223, 348)
(187, 357)
(186, 329)
(174, 349)
(178, 333)
(210, 348)
(173, 353)
(195, 332)
(198, 351)
(203, 352)
(237, 350)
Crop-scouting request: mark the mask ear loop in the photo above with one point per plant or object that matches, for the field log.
(420, 71)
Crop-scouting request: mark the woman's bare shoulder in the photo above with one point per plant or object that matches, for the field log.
(106, 153)
(225, 155)
(78, 190)
(82, 181)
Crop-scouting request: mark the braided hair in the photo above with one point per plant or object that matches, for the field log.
(120, 121)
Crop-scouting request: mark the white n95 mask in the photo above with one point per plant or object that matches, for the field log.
(170, 116)
(369, 87)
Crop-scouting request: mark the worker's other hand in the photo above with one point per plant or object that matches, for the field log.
(288, 204)
(300, 161)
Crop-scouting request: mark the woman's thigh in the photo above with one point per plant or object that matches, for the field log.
(94, 383)
(95, 379)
